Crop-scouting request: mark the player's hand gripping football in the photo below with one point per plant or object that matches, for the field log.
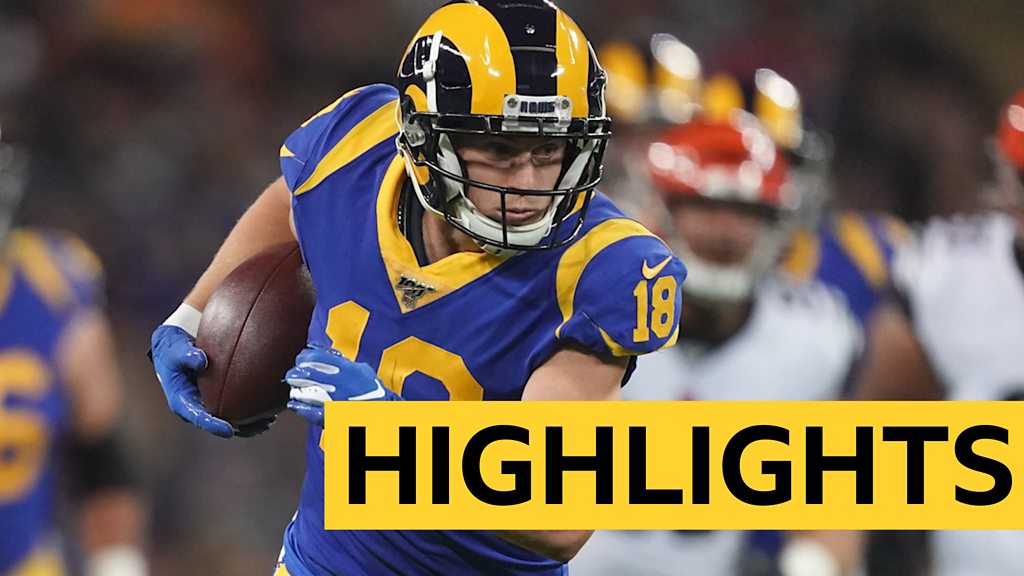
(323, 374)
(177, 363)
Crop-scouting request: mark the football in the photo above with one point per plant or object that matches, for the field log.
(253, 326)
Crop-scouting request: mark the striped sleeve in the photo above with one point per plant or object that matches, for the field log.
(620, 291)
(319, 146)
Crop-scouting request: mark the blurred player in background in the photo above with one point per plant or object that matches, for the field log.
(60, 399)
(848, 250)
(660, 83)
(459, 253)
(956, 328)
(749, 332)
(651, 86)
(845, 250)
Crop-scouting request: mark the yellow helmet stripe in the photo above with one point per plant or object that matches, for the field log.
(573, 55)
(468, 25)
(722, 95)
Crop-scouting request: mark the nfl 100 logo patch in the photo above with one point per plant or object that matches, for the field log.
(412, 290)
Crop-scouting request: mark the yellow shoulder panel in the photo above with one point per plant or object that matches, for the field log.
(372, 130)
(37, 263)
(854, 235)
(575, 259)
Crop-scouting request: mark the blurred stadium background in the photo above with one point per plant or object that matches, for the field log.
(153, 123)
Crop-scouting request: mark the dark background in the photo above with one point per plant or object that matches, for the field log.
(152, 124)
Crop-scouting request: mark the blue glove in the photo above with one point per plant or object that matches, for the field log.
(322, 374)
(177, 363)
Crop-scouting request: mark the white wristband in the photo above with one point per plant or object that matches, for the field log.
(804, 557)
(117, 561)
(187, 318)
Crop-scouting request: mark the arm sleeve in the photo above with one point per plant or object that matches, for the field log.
(316, 144)
(627, 298)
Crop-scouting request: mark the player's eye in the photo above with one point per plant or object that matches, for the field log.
(548, 152)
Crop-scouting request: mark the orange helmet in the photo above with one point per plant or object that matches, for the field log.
(777, 104)
(1011, 132)
(733, 160)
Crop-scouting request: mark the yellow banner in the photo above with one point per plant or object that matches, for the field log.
(673, 465)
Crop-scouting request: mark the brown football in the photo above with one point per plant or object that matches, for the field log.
(252, 328)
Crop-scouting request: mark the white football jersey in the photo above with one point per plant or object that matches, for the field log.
(799, 343)
(965, 294)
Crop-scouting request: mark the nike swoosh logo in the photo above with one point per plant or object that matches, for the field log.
(372, 394)
(649, 273)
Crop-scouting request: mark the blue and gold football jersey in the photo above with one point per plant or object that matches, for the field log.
(45, 279)
(471, 326)
(851, 252)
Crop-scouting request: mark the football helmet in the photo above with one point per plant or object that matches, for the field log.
(509, 68)
(659, 84)
(12, 172)
(732, 162)
(777, 105)
(651, 85)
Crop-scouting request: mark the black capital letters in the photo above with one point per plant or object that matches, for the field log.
(639, 493)
(782, 471)
(404, 463)
(519, 469)
(966, 455)
(861, 463)
(557, 464)
(915, 437)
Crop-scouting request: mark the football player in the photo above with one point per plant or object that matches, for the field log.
(956, 330)
(60, 397)
(749, 332)
(661, 84)
(848, 250)
(650, 87)
(459, 252)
